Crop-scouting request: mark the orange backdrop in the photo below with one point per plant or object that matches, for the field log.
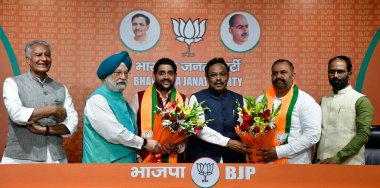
(83, 33)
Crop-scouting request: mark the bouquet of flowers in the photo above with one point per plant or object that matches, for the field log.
(257, 125)
(173, 124)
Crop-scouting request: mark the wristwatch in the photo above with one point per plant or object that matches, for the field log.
(145, 143)
(47, 131)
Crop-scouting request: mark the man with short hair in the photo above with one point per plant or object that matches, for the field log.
(298, 126)
(110, 130)
(238, 27)
(347, 117)
(40, 111)
(140, 26)
(158, 94)
(218, 140)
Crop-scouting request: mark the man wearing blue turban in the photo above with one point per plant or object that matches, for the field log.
(109, 130)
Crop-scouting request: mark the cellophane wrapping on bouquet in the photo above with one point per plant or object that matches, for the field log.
(173, 124)
(257, 125)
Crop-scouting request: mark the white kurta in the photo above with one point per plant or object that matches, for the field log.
(20, 115)
(105, 123)
(305, 130)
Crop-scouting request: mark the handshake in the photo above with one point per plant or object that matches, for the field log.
(152, 145)
(155, 147)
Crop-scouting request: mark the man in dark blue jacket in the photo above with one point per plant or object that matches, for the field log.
(219, 140)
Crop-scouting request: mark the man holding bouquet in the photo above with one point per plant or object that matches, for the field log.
(158, 94)
(298, 126)
(110, 130)
(218, 140)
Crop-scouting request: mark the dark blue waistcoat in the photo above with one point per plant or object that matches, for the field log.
(224, 112)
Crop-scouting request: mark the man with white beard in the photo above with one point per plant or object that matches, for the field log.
(110, 130)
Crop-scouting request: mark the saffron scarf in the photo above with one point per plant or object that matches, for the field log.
(284, 120)
(149, 107)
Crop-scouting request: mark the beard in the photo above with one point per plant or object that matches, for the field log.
(117, 86)
(280, 83)
(338, 84)
(160, 85)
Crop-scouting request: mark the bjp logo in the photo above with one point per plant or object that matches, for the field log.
(189, 32)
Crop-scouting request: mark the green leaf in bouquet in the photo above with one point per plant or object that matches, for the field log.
(258, 107)
(276, 112)
(250, 101)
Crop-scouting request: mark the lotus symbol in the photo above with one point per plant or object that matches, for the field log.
(189, 32)
(205, 169)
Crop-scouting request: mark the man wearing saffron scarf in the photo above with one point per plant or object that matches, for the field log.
(347, 118)
(164, 74)
(110, 130)
(298, 127)
(159, 94)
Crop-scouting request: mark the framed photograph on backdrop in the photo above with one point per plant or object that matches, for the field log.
(139, 31)
(240, 32)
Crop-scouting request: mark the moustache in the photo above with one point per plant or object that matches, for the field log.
(336, 80)
(279, 79)
(121, 82)
(244, 34)
(165, 80)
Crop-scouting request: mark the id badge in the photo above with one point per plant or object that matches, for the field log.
(281, 137)
(147, 134)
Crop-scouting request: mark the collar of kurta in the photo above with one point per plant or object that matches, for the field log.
(344, 90)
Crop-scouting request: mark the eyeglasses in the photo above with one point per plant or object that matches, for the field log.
(215, 75)
(333, 72)
(118, 73)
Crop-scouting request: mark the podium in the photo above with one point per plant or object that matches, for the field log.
(180, 175)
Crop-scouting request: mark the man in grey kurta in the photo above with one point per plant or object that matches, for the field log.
(40, 111)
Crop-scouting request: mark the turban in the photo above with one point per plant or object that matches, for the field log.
(110, 64)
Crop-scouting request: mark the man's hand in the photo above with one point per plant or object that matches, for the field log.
(238, 146)
(153, 146)
(269, 154)
(60, 113)
(139, 159)
(328, 161)
(169, 147)
(36, 129)
(55, 130)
